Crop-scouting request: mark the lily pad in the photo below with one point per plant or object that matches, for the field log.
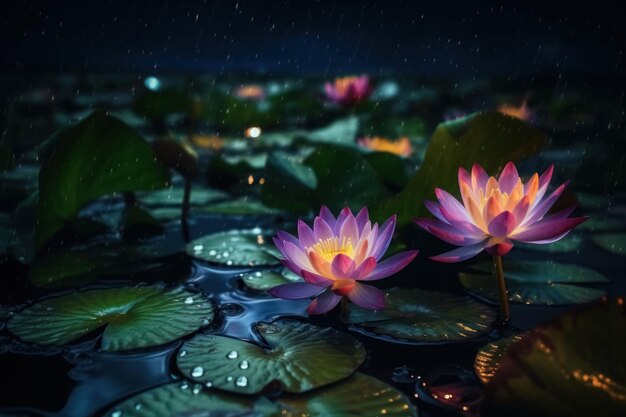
(342, 132)
(101, 155)
(569, 243)
(536, 282)
(419, 316)
(489, 356)
(265, 280)
(572, 366)
(473, 139)
(299, 357)
(173, 196)
(235, 248)
(133, 317)
(182, 398)
(612, 242)
(359, 396)
(595, 224)
(241, 207)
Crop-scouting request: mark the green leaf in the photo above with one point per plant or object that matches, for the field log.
(264, 280)
(342, 132)
(572, 366)
(241, 206)
(390, 168)
(358, 396)
(182, 398)
(425, 317)
(536, 282)
(490, 139)
(173, 196)
(489, 356)
(98, 156)
(284, 177)
(612, 242)
(235, 248)
(133, 317)
(300, 357)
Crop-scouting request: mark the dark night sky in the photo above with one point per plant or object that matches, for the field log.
(318, 37)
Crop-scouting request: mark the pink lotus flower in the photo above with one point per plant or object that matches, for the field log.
(349, 91)
(495, 213)
(335, 256)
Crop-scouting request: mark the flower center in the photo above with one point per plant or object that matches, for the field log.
(332, 247)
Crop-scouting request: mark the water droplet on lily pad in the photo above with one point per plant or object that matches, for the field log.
(197, 372)
(241, 381)
(300, 356)
(236, 248)
(131, 317)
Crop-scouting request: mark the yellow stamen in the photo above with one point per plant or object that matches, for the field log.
(332, 247)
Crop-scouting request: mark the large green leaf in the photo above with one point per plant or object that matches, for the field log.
(570, 243)
(359, 396)
(537, 282)
(572, 366)
(489, 356)
(332, 175)
(239, 207)
(133, 317)
(264, 280)
(99, 156)
(612, 242)
(289, 185)
(235, 248)
(425, 317)
(490, 139)
(299, 357)
(182, 398)
(173, 196)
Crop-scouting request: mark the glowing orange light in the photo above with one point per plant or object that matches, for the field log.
(253, 132)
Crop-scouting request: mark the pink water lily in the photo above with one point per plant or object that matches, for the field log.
(349, 90)
(335, 256)
(497, 212)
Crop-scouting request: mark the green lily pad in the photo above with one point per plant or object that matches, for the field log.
(173, 196)
(358, 396)
(572, 366)
(241, 206)
(536, 282)
(489, 356)
(595, 225)
(265, 280)
(182, 398)
(101, 155)
(474, 139)
(235, 248)
(342, 132)
(415, 315)
(299, 356)
(133, 317)
(612, 242)
(570, 243)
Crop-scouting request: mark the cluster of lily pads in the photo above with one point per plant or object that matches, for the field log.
(103, 203)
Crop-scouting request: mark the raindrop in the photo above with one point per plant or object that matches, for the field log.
(197, 388)
(232, 354)
(182, 353)
(189, 300)
(138, 406)
(242, 381)
(116, 414)
(212, 252)
(204, 321)
(197, 372)
(208, 384)
(244, 364)
(184, 385)
(229, 378)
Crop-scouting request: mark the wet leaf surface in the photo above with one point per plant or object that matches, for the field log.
(264, 280)
(489, 356)
(300, 357)
(536, 282)
(132, 317)
(251, 247)
(614, 242)
(419, 316)
(571, 366)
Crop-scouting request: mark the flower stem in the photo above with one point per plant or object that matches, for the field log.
(345, 306)
(184, 214)
(504, 298)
